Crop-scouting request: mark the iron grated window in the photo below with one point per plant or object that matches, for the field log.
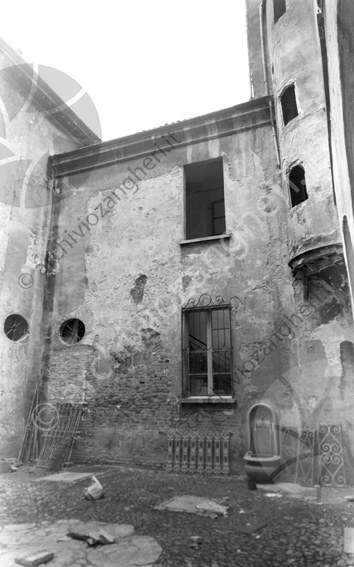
(72, 331)
(207, 352)
(15, 327)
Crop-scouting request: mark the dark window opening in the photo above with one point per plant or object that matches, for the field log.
(288, 104)
(279, 9)
(72, 331)
(207, 352)
(297, 183)
(15, 327)
(205, 206)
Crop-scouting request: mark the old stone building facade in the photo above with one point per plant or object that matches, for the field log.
(181, 275)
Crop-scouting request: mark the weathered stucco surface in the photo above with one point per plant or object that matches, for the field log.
(113, 232)
(339, 25)
(27, 138)
(296, 59)
(128, 276)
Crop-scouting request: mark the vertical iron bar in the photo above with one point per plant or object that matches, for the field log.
(209, 336)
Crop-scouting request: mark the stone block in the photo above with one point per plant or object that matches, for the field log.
(106, 538)
(34, 559)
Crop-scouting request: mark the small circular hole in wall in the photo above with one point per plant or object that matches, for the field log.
(72, 331)
(15, 327)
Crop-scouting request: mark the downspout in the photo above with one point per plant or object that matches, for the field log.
(324, 57)
(262, 19)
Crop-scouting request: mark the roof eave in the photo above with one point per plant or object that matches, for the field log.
(45, 99)
(251, 114)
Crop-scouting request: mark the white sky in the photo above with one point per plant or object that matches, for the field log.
(144, 63)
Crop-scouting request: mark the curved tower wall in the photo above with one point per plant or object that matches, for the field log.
(295, 59)
(315, 376)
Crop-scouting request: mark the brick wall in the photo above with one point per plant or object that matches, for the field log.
(130, 410)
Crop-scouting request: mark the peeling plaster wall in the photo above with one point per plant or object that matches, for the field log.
(125, 274)
(312, 382)
(118, 265)
(27, 139)
(295, 57)
(128, 278)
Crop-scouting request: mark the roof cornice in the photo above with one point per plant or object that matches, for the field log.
(22, 76)
(252, 114)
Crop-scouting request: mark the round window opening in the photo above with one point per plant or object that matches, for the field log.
(15, 327)
(72, 331)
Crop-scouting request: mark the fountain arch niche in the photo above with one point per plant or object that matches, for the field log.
(263, 456)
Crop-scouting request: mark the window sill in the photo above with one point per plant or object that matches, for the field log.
(224, 236)
(209, 400)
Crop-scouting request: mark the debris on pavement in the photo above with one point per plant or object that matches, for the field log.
(209, 506)
(224, 499)
(95, 491)
(292, 525)
(34, 560)
(196, 539)
(106, 538)
(194, 505)
(349, 498)
(93, 538)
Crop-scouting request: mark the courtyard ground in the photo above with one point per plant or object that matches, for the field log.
(284, 530)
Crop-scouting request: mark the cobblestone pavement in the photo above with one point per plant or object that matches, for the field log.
(294, 532)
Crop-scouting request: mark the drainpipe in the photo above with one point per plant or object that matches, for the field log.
(262, 19)
(324, 57)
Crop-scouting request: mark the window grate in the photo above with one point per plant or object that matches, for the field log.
(15, 327)
(72, 331)
(198, 453)
(312, 457)
(207, 351)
